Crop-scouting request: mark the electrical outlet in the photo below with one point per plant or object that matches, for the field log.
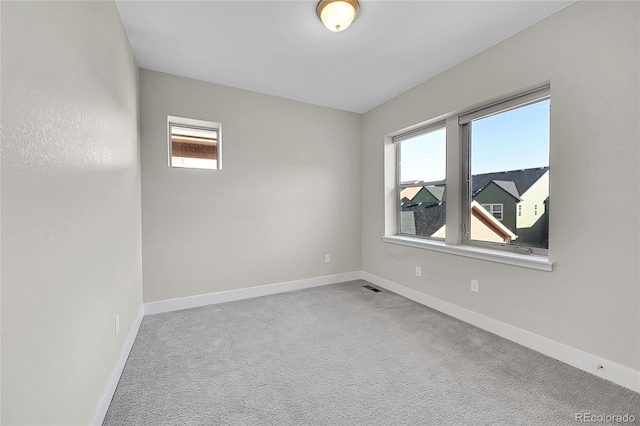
(474, 286)
(117, 324)
(418, 271)
(327, 258)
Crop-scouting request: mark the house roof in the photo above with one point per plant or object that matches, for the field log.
(436, 191)
(429, 217)
(515, 182)
(410, 192)
(509, 187)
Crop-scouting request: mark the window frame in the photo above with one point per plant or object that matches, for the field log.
(521, 100)
(491, 210)
(197, 125)
(457, 182)
(397, 141)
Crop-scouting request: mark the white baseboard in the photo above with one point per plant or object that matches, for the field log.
(616, 373)
(110, 389)
(245, 293)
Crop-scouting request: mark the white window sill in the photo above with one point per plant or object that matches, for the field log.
(524, 260)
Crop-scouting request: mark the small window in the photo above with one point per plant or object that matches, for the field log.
(519, 210)
(194, 144)
(421, 184)
(494, 209)
(535, 210)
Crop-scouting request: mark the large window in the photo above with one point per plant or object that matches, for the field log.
(486, 172)
(508, 152)
(194, 144)
(422, 185)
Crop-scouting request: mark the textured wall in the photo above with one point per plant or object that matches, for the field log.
(590, 54)
(288, 192)
(71, 226)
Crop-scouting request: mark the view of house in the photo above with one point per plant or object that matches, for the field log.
(521, 198)
(507, 207)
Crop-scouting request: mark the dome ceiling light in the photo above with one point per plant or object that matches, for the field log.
(337, 15)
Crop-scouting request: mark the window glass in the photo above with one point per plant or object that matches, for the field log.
(501, 186)
(509, 168)
(423, 157)
(194, 143)
(422, 182)
(423, 211)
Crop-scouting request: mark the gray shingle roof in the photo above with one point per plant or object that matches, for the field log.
(429, 217)
(508, 186)
(521, 179)
(436, 191)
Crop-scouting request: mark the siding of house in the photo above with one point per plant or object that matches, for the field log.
(481, 230)
(537, 194)
(532, 228)
(493, 194)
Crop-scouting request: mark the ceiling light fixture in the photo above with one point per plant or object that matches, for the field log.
(337, 15)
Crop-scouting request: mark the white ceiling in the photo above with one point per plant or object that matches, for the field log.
(281, 48)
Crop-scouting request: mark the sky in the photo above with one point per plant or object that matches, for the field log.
(423, 158)
(513, 140)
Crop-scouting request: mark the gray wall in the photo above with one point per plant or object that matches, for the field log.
(288, 193)
(590, 54)
(71, 235)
